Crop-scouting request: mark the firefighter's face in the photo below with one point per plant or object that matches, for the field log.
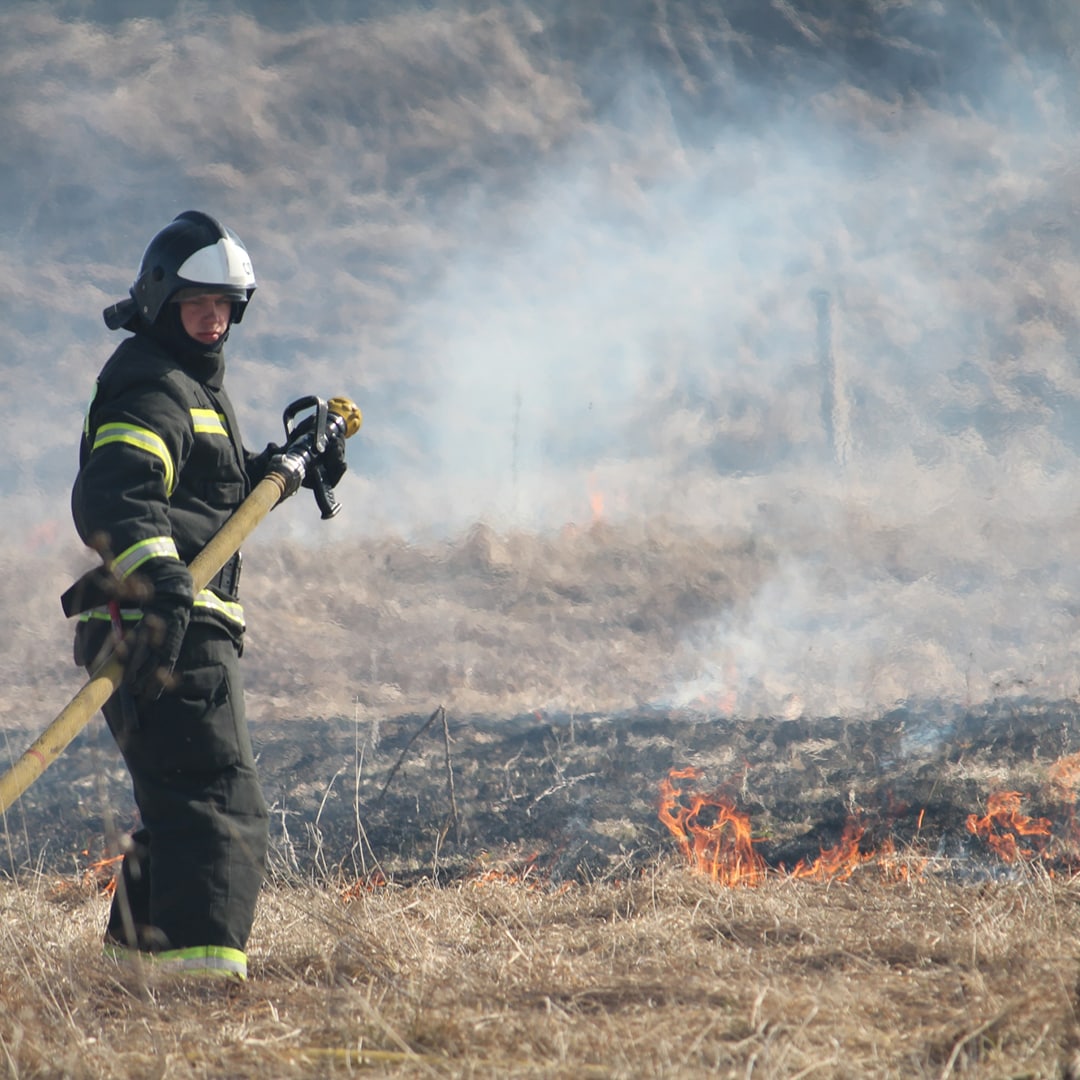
(205, 318)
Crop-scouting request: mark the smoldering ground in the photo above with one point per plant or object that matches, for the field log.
(555, 744)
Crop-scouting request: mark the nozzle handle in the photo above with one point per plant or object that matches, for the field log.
(325, 498)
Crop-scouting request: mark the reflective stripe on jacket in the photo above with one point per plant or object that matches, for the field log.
(205, 600)
(161, 469)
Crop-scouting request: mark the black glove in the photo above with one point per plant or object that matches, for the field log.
(258, 464)
(153, 648)
(330, 463)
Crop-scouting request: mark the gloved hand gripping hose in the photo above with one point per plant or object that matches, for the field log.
(314, 451)
(306, 452)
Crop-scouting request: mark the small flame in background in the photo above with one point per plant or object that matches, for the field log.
(716, 838)
(358, 888)
(525, 875)
(840, 862)
(102, 874)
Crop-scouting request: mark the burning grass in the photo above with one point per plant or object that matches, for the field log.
(665, 974)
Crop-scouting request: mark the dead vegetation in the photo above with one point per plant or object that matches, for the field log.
(664, 974)
(417, 933)
(584, 620)
(563, 934)
(536, 918)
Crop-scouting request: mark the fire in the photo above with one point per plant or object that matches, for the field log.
(710, 832)
(894, 868)
(361, 886)
(104, 874)
(526, 875)
(98, 877)
(716, 840)
(101, 875)
(1003, 824)
(840, 862)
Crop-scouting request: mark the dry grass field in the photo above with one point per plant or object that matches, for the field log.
(665, 974)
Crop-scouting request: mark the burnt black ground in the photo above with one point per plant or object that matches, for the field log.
(581, 793)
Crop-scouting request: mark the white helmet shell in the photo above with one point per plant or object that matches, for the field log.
(226, 264)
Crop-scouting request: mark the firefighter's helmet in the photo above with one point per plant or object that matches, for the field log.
(194, 251)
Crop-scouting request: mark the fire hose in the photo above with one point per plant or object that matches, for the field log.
(298, 462)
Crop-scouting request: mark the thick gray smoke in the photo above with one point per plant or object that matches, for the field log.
(803, 272)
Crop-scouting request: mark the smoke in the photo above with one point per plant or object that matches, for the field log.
(803, 274)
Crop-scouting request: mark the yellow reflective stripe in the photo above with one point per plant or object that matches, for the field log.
(213, 960)
(229, 609)
(203, 960)
(141, 439)
(103, 613)
(206, 600)
(208, 422)
(155, 547)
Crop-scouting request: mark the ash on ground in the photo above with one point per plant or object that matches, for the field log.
(551, 660)
(577, 796)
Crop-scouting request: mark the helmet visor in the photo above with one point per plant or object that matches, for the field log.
(227, 291)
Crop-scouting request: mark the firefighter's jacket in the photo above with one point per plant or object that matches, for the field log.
(161, 469)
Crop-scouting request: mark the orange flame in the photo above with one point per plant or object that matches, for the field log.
(716, 838)
(894, 868)
(98, 877)
(1003, 824)
(722, 847)
(837, 863)
(526, 876)
(361, 886)
(102, 874)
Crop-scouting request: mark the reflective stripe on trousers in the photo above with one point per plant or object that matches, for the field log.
(213, 960)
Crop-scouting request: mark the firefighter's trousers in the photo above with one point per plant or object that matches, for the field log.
(194, 869)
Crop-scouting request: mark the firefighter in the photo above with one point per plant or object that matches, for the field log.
(161, 468)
